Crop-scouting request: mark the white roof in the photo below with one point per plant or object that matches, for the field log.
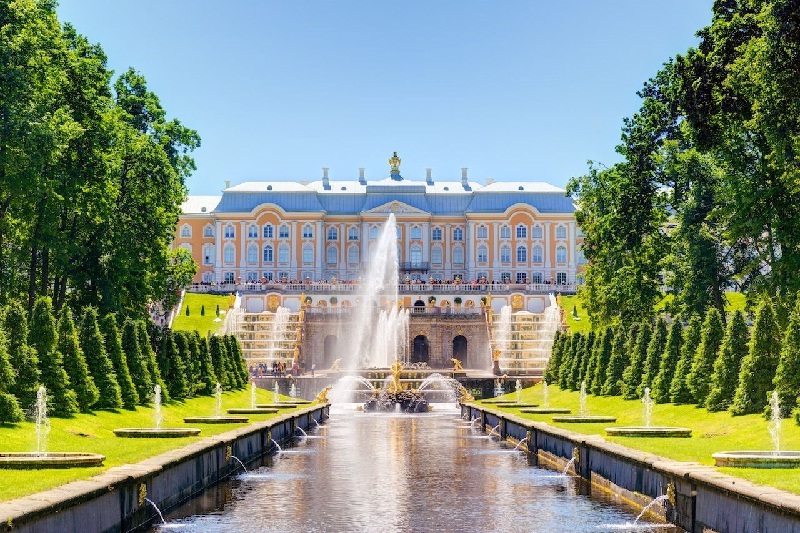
(200, 204)
(339, 186)
(450, 187)
(269, 186)
(514, 186)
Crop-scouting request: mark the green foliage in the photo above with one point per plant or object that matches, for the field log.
(679, 391)
(6, 371)
(152, 364)
(567, 355)
(206, 379)
(199, 321)
(100, 366)
(10, 411)
(589, 341)
(620, 359)
(217, 311)
(238, 359)
(113, 344)
(181, 340)
(9, 406)
(669, 360)
(137, 365)
(703, 362)
(75, 363)
(655, 350)
(725, 376)
(787, 377)
(23, 358)
(593, 356)
(759, 366)
(187, 310)
(219, 355)
(202, 310)
(554, 361)
(603, 356)
(632, 376)
(172, 367)
(42, 337)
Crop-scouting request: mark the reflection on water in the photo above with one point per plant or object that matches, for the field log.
(386, 472)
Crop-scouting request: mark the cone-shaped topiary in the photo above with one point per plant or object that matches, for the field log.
(42, 337)
(787, 378)
(591, 366)
(172, 367)
(759, 366)
(75, 363)
(725, 374)
(612, 385)
(202, 310)
(234, 377)
(207, 379)
(113, 343)
(567, 354)
(578, 357)
(238, 362)
(589, 341)
(181, 339)
(655, 350)
(219, 354)
(551, 370)
(679, 391)
(603, 356)
(150, 359)
(23, 358)
(137, 366)
(703, 362)
(187, 310)
(100, 366)
(192, 362)
(10, 411)
(632, 376)
(669, 360)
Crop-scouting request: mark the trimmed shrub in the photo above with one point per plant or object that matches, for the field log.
(669, 360)
(679, 391)
(632, 376)
(704, 357)
(137, 366)
(567, 354)
(75, 363)
(113, 344)
(591, 366)
(23, 358)
(655, 350)
(551, 370)
(202, 310)
(206, 378)
(787, 378)
(181, 339)
(602, 357)
(725, 375)
(612, 386)
(149, 355)
(589, 341)
(759, 366)
(10, 411)
(187, 310)
(219, 354)
(100, 366)
(172, 367)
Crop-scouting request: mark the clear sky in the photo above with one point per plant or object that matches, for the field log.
(524, 90)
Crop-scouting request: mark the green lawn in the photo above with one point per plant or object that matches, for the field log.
(197, 322)
(711, 432)
(580, 325)
(93, 433)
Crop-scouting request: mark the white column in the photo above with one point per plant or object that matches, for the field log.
(243, 250)
(218, 251)
(293, 274)
(426, 241)
(319, 235)
(470, 263)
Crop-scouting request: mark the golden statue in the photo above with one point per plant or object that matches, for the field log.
(302, 299)
(496, 355)
(464, 395)
(298, 334)
(296, 354)
(273, 302)
(322, 397)
(394, 164)
(399, 304)
(457, 365)
(396, 369)
(489, 300)
(516, 301)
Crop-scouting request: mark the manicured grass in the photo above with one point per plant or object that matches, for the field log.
(93, 433)
(711, 432)
(197, 322)
(583, 324)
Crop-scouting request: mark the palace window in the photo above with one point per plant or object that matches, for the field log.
(283, 276)
(436, 255)
(352, 234)
(352, 255)
(186, 230)
(399, 233)
(283, 254)
(230, 254)
(561, 232)
(580, 257)
(269, 231)
(536, 277)
(505, 277)
(252, 254)
(208, 276)
(536, 232)
(268, 254)
(208, 254)
(458, 234)
(561, 278)
(522, 254)
(373, 232)
(416, 255)
(283, 232)
(436, 234)
(230, 232)
(333, 235)
(252, 232)
(522, 277)
(186, 246)
(308, 231)
(505, 254)
(522, 232)
(331, 257)
(416, 232)
(505, 232)
(483, 254)
(561, 254)
(267, 276)
(536, 254)
(229, 277)
(308, 254)
(458, 256)
(483, 232)
(252, 277)
(208, 231)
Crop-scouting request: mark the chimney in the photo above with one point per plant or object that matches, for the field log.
(464, 181)
(361, 179)
(325, 183)
(428, 178)
(227, 184)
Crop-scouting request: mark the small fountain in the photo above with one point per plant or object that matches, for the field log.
(153, 504)
(293, 391)
(240, 463)
(647, 430)
(394, 397)
(520, 443)
(763, 459)
(157, 431)
(254, 409)
(570, 463)
(545, 399)
(583, 415)
(546, 409)
(253, 388)
(518, 389)
(40, 458)
(276, 394)
(218, 417)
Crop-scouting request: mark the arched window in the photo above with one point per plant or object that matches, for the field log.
(331, 256)
(252, 254)
(483, 232)
(252, 231)
(308, 254)
(536, 254)
(416, 232)
(561, 232)
(352, 234)
(308, 231)
(458, 255)
(186, 230)
(458, 234)
(373, 232)
(208, 231)
(268, 254)
(536, 232)
(436, 234)
(333, 234)
(505, 232)
(283, 254)
(483, 254)
(505, 254)
(436, 255)
(283, 232)
(416, 256)
(230, 232)
(269, 231)
(352, 255)
(522, 231)
(208, 254)
(522, 254)
(561, 254)
(229, 253)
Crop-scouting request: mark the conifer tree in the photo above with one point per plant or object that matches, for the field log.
(591, 367)
(193, 364)
(589, 341)
(669, 360)
(75, 363)
(150, 359)
(218, 357)
(137, 366)
(787, 378)
(172, 367)
(632, 376)
(237, 361)
(42, 337)
(235, 378)
(565, 370)
(612, 385)
(554, 361)
(10, 411)
(655, 350)
(182, 346)
(113, 344)
(679, 392)
(23, 358)
(100, 366)
(579, 351)
(206, 377)
(603, 356)
(725, 375)
(703, 362)
(759, 366)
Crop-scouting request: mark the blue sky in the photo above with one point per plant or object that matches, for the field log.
(514, 90)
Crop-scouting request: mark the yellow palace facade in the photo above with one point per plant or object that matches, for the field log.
(326, 230)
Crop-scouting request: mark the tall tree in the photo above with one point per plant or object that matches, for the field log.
(725, 376)
(632, 375)
(150, 359)
(219, 355)
(113, 344)
(655, 350)
(61, 399)
(669, 360)
(137, 365)
(679, 392)
(75, 362)
(554, 362)
(787, 377)
(603, 358)
(100, 366)
(759, 366)
(172, 367)
(23, 358)
(206, 379)
(9, 405)
(620, 359)
(703, 362)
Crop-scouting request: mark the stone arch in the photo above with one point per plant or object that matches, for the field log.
(330, 349)
(460, 349)
(421, 353)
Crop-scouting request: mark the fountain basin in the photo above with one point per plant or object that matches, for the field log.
(158, 433)
(34, 460)
(514, 405)
(757, 459)
(649, 431)
(582, 419)
(546, 410)
(280, 405)
(216, 420)
(252, 411)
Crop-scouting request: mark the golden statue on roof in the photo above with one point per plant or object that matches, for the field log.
(394, 164)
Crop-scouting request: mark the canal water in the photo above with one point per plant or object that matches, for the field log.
(395, 472)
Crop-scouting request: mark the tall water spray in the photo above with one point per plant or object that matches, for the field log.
(218, 400)
(775, 422)
(157, 406)
(647, 401)
(545, 399)
(279, 331)
(276, 397)
(42, 421)
(380, 333)
(583, 410)
(502, 338)
(253, 395)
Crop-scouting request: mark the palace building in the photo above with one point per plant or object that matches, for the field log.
(326, 230)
